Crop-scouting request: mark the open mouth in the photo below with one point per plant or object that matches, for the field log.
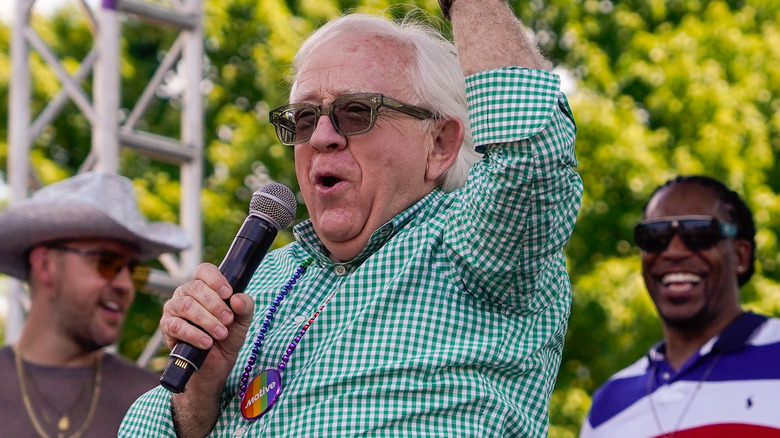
(680, 281)
(328, 181)
(112, 306)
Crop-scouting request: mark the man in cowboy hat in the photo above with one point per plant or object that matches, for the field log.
(76, 244)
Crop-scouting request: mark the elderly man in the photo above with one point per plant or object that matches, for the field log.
(715, 374)
(427, 294)
(76, 243)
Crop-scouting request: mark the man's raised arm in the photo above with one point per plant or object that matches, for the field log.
(488, 35)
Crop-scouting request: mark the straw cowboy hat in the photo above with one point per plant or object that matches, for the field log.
(87, 206)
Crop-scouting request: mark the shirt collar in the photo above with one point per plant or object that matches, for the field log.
(732, 339)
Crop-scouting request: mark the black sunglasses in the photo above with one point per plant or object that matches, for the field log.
(351, 114)
(697, 232)
(109, 263)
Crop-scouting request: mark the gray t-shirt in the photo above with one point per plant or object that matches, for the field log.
(68, 389)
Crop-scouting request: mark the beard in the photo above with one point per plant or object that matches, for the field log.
(692, 323)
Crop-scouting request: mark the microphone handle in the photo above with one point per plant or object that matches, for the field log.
(248, 249)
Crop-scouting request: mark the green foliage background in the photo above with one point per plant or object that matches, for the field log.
(663, 88)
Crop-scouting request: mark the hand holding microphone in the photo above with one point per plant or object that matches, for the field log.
(271, 209)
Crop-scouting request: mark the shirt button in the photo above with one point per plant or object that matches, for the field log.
(299, 319)
(340, 270)
(666, 376)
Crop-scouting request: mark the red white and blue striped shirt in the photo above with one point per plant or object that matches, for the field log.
(731, 388)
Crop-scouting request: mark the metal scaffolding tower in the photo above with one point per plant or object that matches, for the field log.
(109, 133)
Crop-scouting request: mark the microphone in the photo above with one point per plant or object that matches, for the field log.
(272, 208)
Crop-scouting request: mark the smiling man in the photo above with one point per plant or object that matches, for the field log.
(427, 294)
(716, 372)
(76, 243)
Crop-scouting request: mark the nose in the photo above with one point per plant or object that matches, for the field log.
(124, 280)
(676, 246)
(325, 137)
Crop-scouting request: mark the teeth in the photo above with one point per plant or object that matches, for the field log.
(112, 305)
(680, 277)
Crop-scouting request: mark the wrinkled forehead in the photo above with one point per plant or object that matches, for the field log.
(348, 64)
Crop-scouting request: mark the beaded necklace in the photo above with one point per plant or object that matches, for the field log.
(261, 393)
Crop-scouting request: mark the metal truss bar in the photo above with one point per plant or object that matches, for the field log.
(107, 91)
(103, 61)
(26, 7)
(191, 177)
(166, 65)
(164, 16)
(91, 20)
(156, 146)
(73, 89)
(58, 102)
(151, 348)
(161, 283)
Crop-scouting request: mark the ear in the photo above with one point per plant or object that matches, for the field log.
(743, 249)
(41, 265)
(447, 138)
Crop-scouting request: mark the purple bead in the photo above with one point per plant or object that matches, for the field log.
(265, 326)
(241, 394)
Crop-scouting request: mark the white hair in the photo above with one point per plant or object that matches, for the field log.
(434, 76)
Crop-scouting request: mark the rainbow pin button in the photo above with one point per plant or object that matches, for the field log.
(261, 394)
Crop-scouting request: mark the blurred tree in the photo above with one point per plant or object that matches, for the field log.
(663, 87)
(666, 88)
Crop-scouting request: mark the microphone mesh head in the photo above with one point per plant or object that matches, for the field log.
(276, 202)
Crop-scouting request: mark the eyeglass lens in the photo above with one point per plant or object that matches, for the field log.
(109, 263)
(350, 115)
(297, 123)
(696, 234)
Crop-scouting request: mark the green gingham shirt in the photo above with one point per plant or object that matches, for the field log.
(450, 323)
